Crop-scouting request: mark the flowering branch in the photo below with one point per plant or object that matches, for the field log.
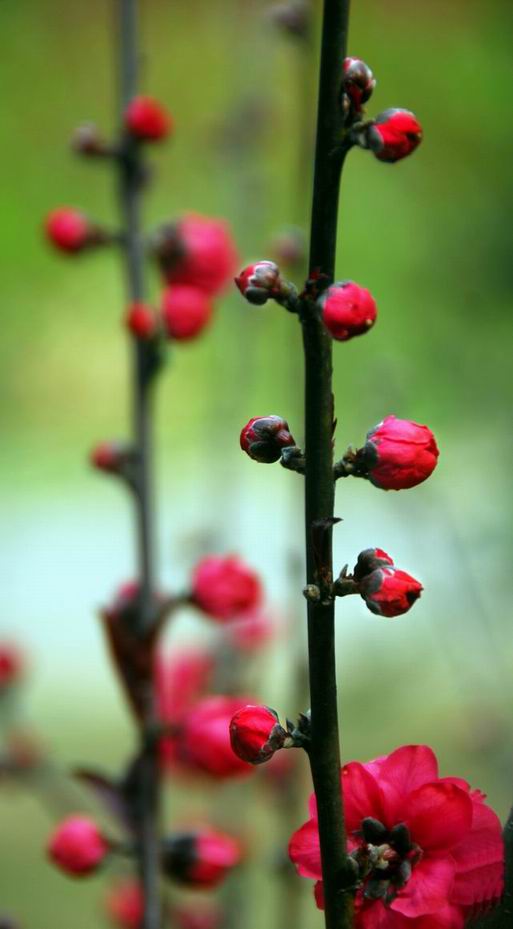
(324, 753)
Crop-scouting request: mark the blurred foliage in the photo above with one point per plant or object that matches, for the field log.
(429, 237)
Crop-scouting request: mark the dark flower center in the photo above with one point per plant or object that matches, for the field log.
(385, 859)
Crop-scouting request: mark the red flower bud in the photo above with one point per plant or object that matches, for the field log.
(225, 587)
(251, 631)
(398, 454)
(200, 858)
(358, 81)
(77, 846)
(141, 320)
(11, 665)
(68, 229)
(186, 311)
(125, 904)
(389, 592)
(369, 560)
(256, 734)
(204, 744)
(180, 680)
(259, 282)
(109, 457)
(394, 134)
(147, 120)
(199, 916)
(264, 437)
(196, 250)
(347, 310)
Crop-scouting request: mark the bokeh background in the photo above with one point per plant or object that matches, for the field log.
(430, 238)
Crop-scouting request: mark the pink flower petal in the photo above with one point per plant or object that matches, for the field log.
(438, 815)
(403, 771)
(479, 860)
(304, 850)
(362, 795)
(428, 889)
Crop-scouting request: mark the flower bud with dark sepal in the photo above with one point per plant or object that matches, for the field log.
(389, 592)
(195, 250)
(358, 84)
(393, 135)
(200, 857)
(262, 281)
(256, 733)
(263, 438)
(116, 458)
(369, 560)
(398, 454)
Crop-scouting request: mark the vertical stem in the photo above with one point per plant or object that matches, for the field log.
(319, 483)
(131, 175)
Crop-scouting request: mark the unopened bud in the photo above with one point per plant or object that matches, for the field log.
(393, 135)
(256, 734)
(358, 82)
(348, 310)
(264, 437)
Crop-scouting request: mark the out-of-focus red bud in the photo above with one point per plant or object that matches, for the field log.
(109, 456)
(124, 904)
(142, 321)
(77, 846)
(200, 857)
(146, 119)
(347, 310)
(186, 311)
(251, 631)
(69, 230)
(224, 587)
(256, 733)
(199, 915)
(393, 135)
(264, 437)
(11, 666)
(196, 250)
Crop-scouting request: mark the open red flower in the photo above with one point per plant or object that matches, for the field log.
(204, 743)
(224, 587)
(200, 857)
(429, 850)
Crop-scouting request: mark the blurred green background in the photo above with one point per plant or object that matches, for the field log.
(430, 238)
